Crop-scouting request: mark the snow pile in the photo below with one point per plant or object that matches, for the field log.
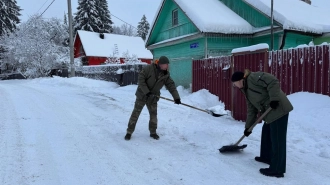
(250, 48)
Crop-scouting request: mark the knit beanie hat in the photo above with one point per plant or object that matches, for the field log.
(237, 76)
(163, 60)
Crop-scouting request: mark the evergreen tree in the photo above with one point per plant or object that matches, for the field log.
(104, 13)
(93, 15)
(143, 28)
(87, 17)
(9, 11)
(65, 19)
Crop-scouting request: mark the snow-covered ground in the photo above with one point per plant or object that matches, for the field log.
(71, 131)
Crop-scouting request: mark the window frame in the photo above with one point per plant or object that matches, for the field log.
(175, 20)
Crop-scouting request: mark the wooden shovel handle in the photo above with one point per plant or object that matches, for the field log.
(255, 123)
(184, 104)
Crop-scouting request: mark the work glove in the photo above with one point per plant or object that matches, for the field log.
(274, 104)
(177, 101)
(149, 94)
(246, 132)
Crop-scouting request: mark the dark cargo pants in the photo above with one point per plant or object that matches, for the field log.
(273, 143)
(152, 108)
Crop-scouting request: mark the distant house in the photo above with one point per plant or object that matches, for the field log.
(184, 30)
(95, 48)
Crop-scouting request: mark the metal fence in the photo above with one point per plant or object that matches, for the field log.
(300, 69)
(120, 73)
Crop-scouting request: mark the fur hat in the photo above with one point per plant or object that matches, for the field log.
(237, 76)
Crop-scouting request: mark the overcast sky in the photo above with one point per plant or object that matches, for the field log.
(131, 11)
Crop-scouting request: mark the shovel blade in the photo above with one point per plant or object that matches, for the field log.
(231, 148)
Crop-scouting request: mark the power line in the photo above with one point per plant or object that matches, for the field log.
(40, 14)
(42, 5)
(122, 20)
(117, 17)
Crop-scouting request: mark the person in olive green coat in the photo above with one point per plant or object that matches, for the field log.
(262, 90)
(150, 80)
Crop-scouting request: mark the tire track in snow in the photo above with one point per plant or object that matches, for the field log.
(12, 153)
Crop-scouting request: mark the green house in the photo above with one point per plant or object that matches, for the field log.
(184, 30)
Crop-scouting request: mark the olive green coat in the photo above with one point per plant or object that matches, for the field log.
(151, 79)
(260, 89)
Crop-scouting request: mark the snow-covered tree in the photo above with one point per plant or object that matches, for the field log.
(37, 47)
(65, 19)
(9, 11)
(104, 14)
(93, 15)
(116, 30)
(87, 17)
(143, 28)
(130, 59)
(127, 30)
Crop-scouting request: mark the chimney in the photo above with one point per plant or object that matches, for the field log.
(307, 1)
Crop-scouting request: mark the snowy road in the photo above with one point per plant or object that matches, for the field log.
(70, 131)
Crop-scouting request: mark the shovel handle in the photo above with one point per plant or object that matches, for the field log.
(255, 123)
(183, 104)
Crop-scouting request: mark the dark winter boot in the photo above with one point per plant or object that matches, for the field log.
(155, 136)
(262, 160)
(128, 136)
(270, 173)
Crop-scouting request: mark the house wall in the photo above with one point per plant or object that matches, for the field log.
(293, 40)
(267, 38)
(223, 45)
(320, 40)
(180, 57)
(251, 15)
(165, 30)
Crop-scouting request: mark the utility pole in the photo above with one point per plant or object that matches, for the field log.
(71, 39)
(272, 26)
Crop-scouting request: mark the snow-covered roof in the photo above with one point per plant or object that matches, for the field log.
(296, 15)
(211, 16)
(95, 46)
(250, 48)
(214, 16)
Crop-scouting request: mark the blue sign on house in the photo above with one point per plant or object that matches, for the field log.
(194, 45)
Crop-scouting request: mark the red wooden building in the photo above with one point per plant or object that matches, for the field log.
(95, 48)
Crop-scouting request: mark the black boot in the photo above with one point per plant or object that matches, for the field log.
(128, 136)
(270, 173)
(155, 136)
(262, 160)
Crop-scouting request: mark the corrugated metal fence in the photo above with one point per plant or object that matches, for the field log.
(300, 69)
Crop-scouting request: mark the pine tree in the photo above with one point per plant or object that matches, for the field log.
(143, 28)
(87, 17)
(104, 13)
(9, 11)
(93, 15)
(65, 19)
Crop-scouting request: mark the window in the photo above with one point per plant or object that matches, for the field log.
(175, 20)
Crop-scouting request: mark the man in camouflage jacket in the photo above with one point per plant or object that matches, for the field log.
(262, 90)
(151, 79)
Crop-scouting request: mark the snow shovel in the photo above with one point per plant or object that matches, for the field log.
(207, 111)
(235, 147)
